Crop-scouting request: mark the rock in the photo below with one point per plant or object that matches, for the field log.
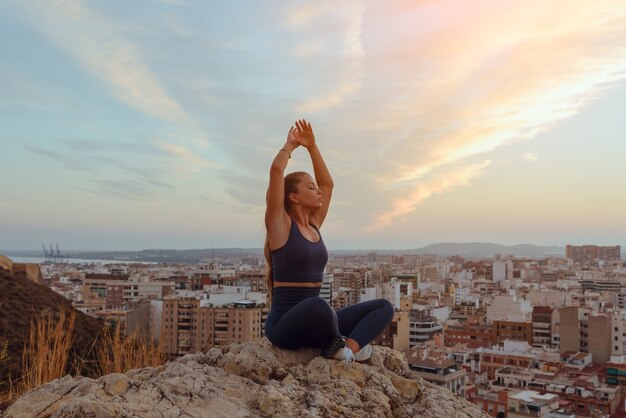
(250, 380)
(116, 384)
(28, 271)
(6, 264)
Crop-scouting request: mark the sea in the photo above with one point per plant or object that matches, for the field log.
(41, 260)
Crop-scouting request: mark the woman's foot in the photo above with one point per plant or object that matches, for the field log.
(364, 353)
(333, 347)
(338, 350)
(344, 354)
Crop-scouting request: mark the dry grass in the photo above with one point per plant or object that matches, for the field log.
(47, 351)
(4, 356)
(118, 354)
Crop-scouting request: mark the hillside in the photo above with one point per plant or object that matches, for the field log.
(22, 299)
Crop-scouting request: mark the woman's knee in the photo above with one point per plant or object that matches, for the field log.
(320, 308)
(387, 308)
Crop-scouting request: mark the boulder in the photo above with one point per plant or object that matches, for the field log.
(250, 380)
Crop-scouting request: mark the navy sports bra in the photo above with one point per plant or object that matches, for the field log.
(299, 260)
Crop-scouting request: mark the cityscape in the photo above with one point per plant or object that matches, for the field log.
(516, 336)
(466, 164)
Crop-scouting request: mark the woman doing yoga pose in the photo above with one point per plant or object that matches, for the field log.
(296, 256)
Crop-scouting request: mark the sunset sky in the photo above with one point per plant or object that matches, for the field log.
(152, 124)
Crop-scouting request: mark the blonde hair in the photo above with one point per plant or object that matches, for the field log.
(291, 186)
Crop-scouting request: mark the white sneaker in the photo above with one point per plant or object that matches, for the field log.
(364, 353)
(345, 354)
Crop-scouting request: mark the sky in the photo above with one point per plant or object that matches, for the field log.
(153, 124)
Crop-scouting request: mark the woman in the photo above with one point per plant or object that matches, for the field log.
(296, 257)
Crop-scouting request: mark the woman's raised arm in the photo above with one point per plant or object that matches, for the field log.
(275, 215)
(306, 138)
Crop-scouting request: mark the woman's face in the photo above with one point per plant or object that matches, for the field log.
(309, 195)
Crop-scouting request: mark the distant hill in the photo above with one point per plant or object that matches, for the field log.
(468, 250)
(21, 301)
(191, 256)
(485, 249)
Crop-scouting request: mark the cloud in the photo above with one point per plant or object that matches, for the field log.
(97, 43)
(408, 99)
(184, 154)
(477, 78)
(68, 160)
(123, 189)
(85, 155)
(239, 208)
(441, 183)
(346, 65)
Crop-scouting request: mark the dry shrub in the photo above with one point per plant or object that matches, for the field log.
(46, 354)
(118, 353)
(47, 349)
(8, 396)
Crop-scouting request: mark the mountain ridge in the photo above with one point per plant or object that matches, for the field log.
(463, 249)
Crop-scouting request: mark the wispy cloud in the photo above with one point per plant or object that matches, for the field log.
(346, 64)
(408, 99)
(441, 183)
(123, 189)
(481, 78)
(97, 42)
(68, 161)
(88, 156)
(184, 154)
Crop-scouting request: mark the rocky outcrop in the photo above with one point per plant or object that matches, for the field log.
(6, 265)
(28, 271)
(250, 380)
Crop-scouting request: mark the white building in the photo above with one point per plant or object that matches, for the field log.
(461, 294)
(326, 292)
(508, 307)
(394, 292)
(499, 270)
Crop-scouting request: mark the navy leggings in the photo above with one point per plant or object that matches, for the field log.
(313, 323)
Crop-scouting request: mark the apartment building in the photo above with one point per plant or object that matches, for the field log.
(616, 374)
(508, 307)
(221, 326)
(587, 330)
(396, 335)
(115, 290)
(590, 254)
(466, 333)
(542, 320)
(493, 402)
(512, 330)
(441, 372)
(513, 353)
(326, 291)
(530, 403)
(255, 280)
(603, 284)
(422, 328)
(188, 326)
(347, 278)
(395, 292)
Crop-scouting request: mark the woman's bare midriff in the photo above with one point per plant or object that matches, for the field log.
(297, 284)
